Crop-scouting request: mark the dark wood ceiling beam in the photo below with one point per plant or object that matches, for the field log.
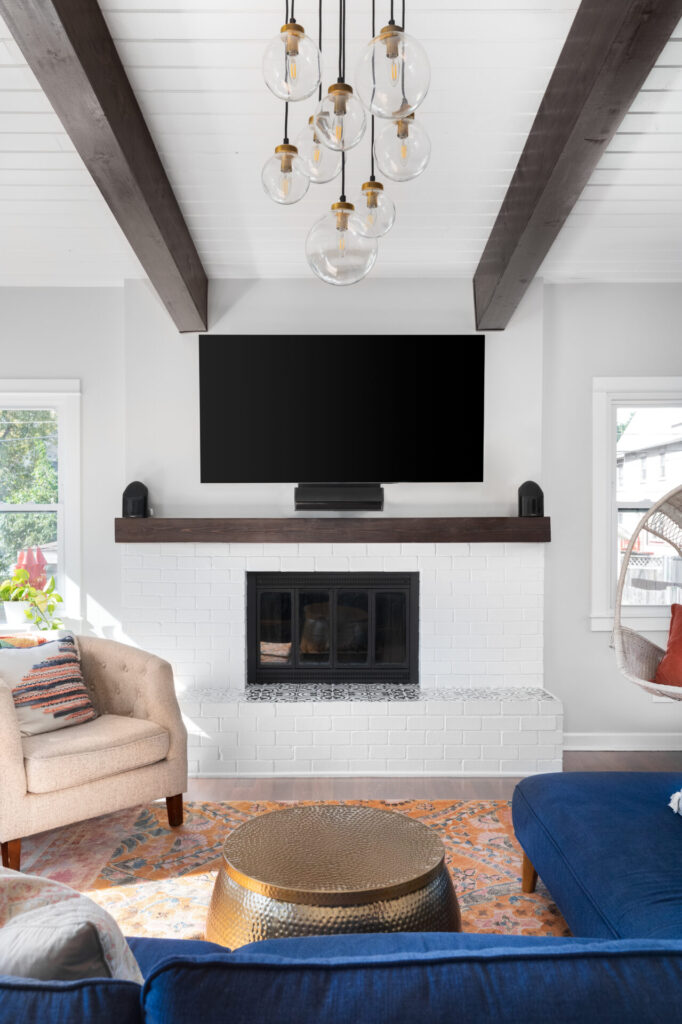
(69, 48)
(610, 49)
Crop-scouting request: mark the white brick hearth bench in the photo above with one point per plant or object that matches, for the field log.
(372, 730)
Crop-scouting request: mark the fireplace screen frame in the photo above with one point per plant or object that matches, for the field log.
(406, 671)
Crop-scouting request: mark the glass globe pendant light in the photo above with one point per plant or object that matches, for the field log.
(375, 210)
(291, 62)
(321, 163)
(402, 149)
(393, 74)
(284, 175)
(335, 249)
(340, 118)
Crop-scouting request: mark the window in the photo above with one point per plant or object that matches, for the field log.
(636, 421)
(39, 483)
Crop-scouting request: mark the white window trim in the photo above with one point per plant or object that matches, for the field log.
(607, 393)
(65, 397)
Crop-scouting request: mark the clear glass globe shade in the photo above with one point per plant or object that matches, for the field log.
(402, 150)
(321, 163)
(337, 252)
(340, 120)
(393, 74)
(374, 213)
(291, 65)
(284, 178)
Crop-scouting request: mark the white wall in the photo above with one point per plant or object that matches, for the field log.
(595, 331)
(162, 387)
(78, 333)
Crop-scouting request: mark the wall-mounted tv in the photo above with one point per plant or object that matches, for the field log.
(339, 408)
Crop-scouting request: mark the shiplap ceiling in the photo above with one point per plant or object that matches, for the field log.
(195, 69)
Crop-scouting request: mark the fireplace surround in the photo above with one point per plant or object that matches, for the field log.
(355, 627)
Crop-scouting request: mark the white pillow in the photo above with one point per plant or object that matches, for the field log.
(51, 932)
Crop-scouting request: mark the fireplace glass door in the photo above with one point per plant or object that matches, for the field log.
(340, 626)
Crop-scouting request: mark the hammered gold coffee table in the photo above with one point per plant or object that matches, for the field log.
(323, 869)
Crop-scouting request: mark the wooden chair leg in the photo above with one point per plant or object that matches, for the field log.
(11, 854)
(529, 875)
(174, 807)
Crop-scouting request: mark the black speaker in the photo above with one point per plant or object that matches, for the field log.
(531, 500)
(135, 501)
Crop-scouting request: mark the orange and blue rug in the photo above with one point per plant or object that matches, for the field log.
(157, 881)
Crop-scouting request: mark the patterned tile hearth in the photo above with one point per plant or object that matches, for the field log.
(296, 692)
(157, 881)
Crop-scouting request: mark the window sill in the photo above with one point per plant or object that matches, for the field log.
(644, 620)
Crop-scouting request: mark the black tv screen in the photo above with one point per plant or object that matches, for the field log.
(341, 409)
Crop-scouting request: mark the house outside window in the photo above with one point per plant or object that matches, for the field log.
(39, 484)
(636, 420)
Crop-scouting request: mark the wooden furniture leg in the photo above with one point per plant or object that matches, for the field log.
(11, 854)
(529, 875)
(174, 807)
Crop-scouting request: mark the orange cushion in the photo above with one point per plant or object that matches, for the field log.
(669, 672)
(26, 640)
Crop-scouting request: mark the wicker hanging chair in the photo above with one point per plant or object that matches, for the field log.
(637, 657)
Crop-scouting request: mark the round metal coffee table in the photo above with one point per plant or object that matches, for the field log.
(322, 869)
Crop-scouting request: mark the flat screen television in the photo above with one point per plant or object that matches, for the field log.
(339, 408)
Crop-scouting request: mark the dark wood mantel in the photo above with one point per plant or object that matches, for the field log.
(375, 529)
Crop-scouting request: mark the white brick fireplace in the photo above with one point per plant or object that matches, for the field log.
(481, 707)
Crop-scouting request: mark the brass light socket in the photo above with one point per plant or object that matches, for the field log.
(293, 31)
(403, 126)
(390, 37)
(286, 155)
(341, 94)
(372, 189)
(343, 212)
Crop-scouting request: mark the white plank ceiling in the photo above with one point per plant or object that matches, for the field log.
(195, 68)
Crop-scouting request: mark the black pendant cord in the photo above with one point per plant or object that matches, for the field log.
(403, 24)
(391, 20)
(285, 140)
(319, 37)
(342, 197)
(374, 87)
(293, 19)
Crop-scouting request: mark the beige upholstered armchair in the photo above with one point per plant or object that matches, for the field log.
(134, 752)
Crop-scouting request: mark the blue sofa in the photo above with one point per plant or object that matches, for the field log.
(610, 857)
(608, 848)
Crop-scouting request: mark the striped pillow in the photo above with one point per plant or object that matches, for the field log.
(47, 686)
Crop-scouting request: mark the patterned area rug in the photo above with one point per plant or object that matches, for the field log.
(157, 881)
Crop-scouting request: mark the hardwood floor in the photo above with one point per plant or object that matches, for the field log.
(387, 788)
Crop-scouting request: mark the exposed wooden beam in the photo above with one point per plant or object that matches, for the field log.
(69, 48)
(611, 47)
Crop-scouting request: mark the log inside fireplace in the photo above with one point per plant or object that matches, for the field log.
(332, 627)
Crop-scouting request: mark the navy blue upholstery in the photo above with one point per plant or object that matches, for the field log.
(608, 848)
(516, 982)
(95, 1001)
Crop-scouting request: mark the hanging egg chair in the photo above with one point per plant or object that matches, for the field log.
(637, 657)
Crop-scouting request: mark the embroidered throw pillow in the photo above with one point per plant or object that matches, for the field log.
(47, 686)
(51, 932)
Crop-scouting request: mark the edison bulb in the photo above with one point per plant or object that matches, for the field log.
(284, 176)
(374, 210)
(336, 250)
(393, 74)
(340, 120)
(321, 163)
(291, 64)
(402, 149)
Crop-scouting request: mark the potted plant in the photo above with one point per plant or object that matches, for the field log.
(26, 603)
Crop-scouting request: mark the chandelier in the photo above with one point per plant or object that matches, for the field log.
(392, 79)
